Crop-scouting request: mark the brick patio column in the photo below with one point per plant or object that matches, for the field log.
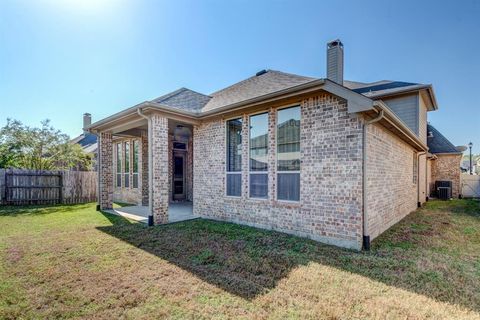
(160, 183)
(105, 171)
(144, 152)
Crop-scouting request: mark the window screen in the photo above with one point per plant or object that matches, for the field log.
(127, 165)
(136, 149)
(259, 156)
(119, 165)
(234, 157)
(288, 154)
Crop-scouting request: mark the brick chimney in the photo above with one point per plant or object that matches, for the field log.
(335, 61)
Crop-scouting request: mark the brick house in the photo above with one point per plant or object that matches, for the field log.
(444, 162)
(332, 160)
(87, 141)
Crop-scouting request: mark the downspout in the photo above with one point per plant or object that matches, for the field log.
(150, 167)
(366, 234)
(419, 204)
(427, 187)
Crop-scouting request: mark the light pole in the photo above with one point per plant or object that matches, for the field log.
(470, 145)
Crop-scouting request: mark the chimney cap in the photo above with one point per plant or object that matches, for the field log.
(335, 43)
(87, 114)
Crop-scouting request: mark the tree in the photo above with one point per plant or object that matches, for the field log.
(44, 148)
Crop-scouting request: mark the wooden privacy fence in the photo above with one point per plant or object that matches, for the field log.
(24, 187)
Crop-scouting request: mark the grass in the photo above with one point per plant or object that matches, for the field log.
(74, 262)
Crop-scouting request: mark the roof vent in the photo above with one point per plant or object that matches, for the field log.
(430, 134)
(335, 61)
(259, 73)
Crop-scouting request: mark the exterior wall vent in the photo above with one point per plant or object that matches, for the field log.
(335, 61)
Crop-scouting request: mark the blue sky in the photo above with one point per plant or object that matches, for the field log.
(59, 59)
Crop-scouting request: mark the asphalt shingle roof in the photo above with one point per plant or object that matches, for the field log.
(87, 139)
(437, 143)
(266, 82)
(88, 142)
(184, 98)
(269, 82)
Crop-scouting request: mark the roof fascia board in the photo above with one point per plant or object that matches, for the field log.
(433, 98)
(401, 91)
(266, 98)
(175, 114)
(146, 105)
(448, 153)
(117, 127)
(94, 127)
(356, 102)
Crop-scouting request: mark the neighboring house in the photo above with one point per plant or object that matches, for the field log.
(332, 160)
(443, 162)
(465, 165)
(87, 140)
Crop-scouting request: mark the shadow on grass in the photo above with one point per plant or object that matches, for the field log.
(123, 204)
(41, 209)
(248, 262)
(24, 210)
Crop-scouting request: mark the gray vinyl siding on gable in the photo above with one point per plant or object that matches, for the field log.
(422, 120)
(406, 108)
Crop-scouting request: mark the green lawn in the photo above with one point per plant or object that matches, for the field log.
(74, 262)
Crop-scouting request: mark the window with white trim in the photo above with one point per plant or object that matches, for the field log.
(126, 167)
(258, 166)
(136, 149)
(119, 166)
(288, 154)
(234, 157)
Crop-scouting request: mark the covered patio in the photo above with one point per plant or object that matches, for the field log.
(164, 179)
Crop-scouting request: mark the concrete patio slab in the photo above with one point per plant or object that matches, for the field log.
(177, 211)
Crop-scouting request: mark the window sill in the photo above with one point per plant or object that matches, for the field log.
(258, 199)
(233, 197)
(288, 201)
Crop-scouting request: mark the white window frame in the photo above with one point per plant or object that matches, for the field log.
(127, 174)
(226, 162)
(118, 173)
(135, 174)
(249, 172)
(277, 172)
